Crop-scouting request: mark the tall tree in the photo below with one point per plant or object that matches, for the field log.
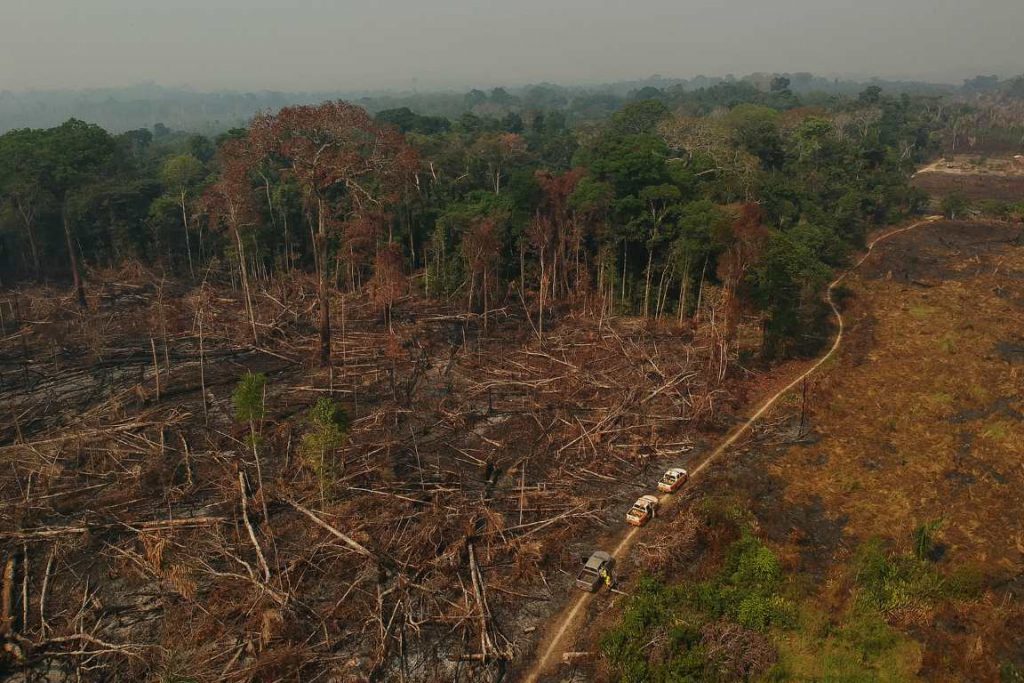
(23, 183)
(481, 248)
(74, 153)
(180, 174)
(498, 151)
(229, 204)
(344, 164)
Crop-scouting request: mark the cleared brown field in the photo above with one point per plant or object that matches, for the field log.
(975, 177)
(922, 419)
(973, 187)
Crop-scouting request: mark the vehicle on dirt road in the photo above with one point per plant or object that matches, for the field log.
(673, 480)
(643, 510)
(597, 567)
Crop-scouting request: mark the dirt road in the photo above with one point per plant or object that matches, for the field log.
(569, 617)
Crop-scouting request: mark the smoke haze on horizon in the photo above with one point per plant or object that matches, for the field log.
(343, 45)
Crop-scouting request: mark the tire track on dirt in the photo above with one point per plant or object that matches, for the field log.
(569, 622)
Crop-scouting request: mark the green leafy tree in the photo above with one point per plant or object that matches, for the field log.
(53, 165)
(755, 128)
(786, 284)
(180, 174)
(74, 153)
(694, 246)
(23, 185)
(639, 118)
(660, 201)
(110, 216)
(954, 205)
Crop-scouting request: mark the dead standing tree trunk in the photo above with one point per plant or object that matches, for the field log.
(322, 293)
(188, 241)
(229, 204)
(481, 249)
(28, 220)
(243, 272)
(76, 275)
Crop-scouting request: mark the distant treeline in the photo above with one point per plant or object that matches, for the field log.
(144, 106)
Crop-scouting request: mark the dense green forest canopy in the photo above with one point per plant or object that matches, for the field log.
(744, 192)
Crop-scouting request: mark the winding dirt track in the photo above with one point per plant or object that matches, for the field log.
(552, 653)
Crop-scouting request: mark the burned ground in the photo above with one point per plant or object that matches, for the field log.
(973, 187)
(975, 177)
(148, 533)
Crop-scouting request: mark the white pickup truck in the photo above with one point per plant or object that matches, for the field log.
(643, 510)
(673, 480)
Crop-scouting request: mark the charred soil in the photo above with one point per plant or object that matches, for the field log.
(149, 528)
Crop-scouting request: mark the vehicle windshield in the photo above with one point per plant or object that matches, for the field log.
(669, 478)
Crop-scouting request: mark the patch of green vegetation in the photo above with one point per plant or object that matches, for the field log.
(955, 205)
(662, 635)
(249, 401)
(747, 590)
(889, 581)
(862, 647)
(247, 397)
(655, 609)
(924, 538)
(922, 312)
(979, 393)
(1010, 673)
(719, 510)
(948, 343)
(997, 430)
(328, 427)
(993, 208)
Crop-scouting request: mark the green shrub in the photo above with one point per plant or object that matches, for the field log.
(248, 397)
(955, 205)
(868, 633)
(747, 588)
(1016, 211)
(924, 538)
(994, 208)
(1010, 673)
(328, 427)
(890, 581)
(965, 583)
(655, 612)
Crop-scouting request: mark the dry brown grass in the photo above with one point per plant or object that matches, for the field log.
(922, 419)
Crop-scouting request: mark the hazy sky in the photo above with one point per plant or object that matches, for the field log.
(340, 44)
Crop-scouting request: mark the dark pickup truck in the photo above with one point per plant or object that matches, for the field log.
(589, 578)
